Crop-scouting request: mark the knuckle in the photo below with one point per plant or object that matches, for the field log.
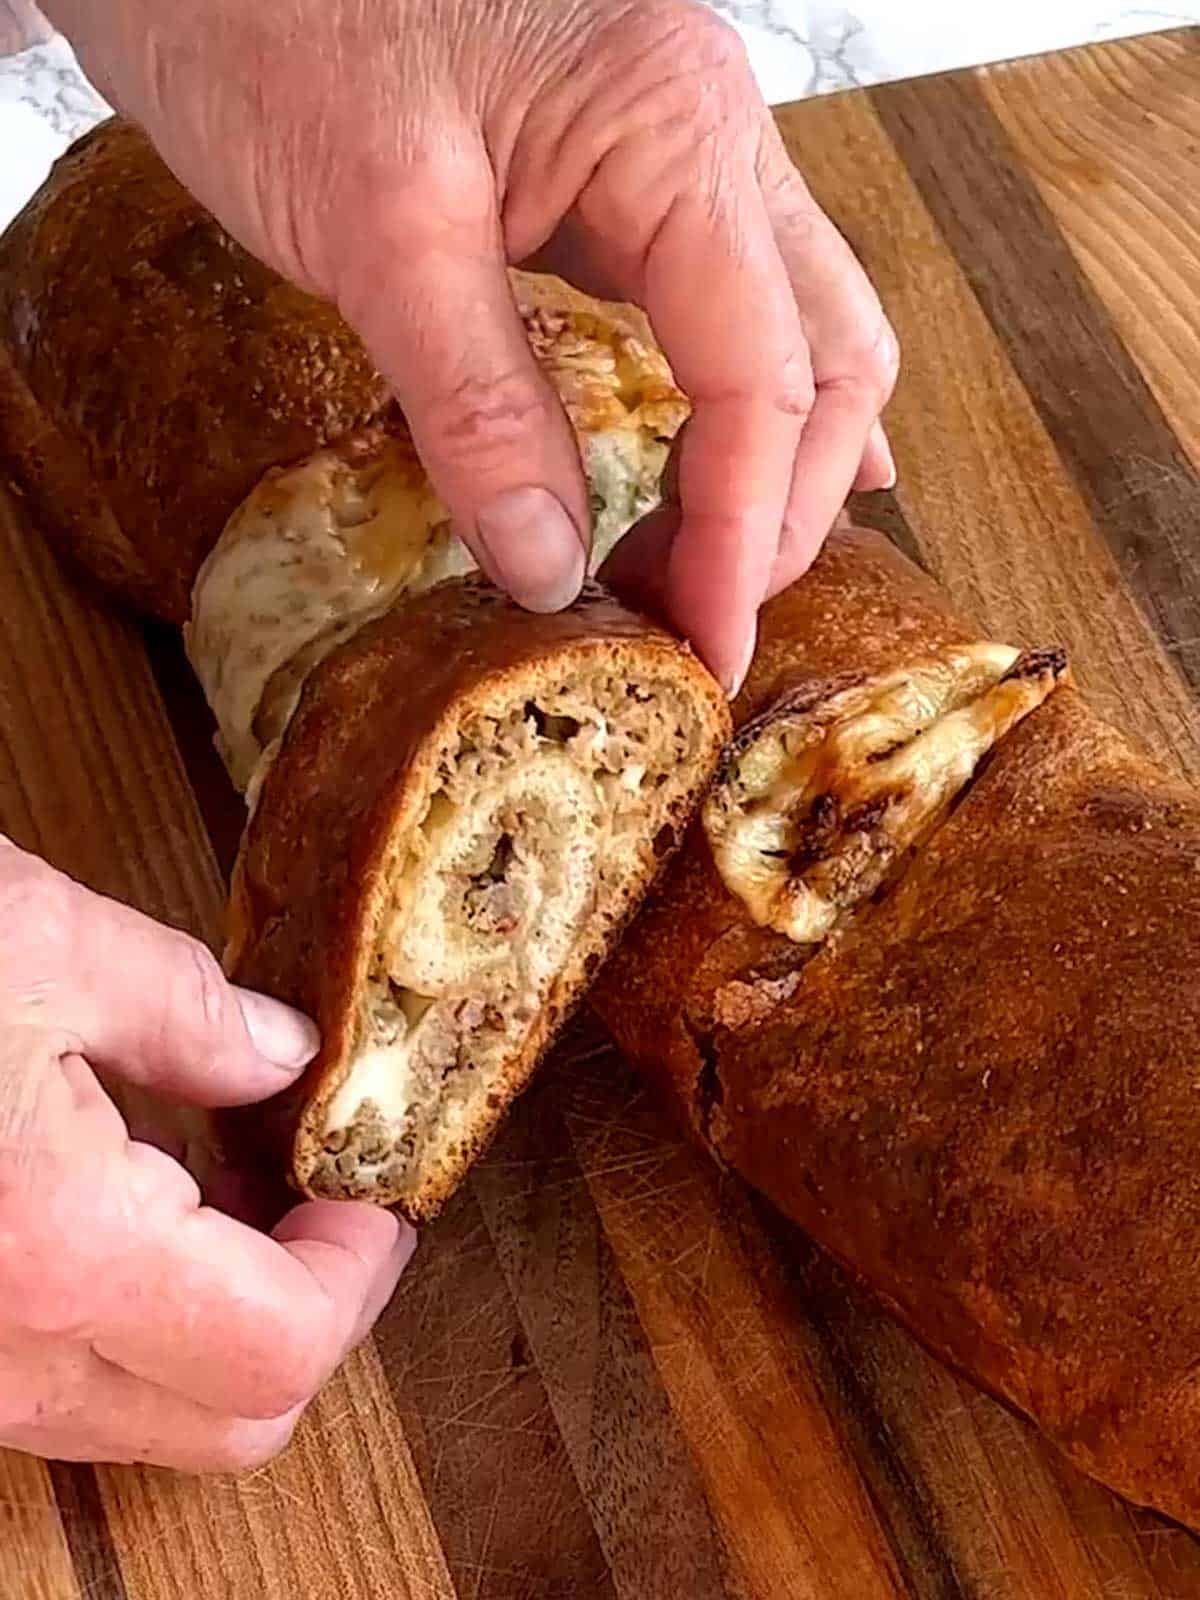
(710, 43)
(392, 216)
(795, 389)
(37, 910)
(873, 359)
(433, 177)
(690, 72)
(481, 416)
(413, 204)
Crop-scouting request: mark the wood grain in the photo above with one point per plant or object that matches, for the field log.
(987, 497)
(624, 1441)
(35, 1558)
(611, 1373)
(97, 1566)
(739, 1366)
(341, 1514)
(493, 1465)
(1139, 485)
(1129, 208)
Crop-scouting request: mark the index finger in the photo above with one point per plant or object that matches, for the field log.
(717, 292)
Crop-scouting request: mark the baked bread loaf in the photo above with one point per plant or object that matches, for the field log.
(152, 372)
(925, 974)
(455, 805)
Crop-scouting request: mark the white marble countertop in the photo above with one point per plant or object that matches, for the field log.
(798, 48)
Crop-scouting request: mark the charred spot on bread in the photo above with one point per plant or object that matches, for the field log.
(1049, 661)
(825, 794)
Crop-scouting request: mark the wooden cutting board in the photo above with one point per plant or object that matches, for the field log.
(609, 1372)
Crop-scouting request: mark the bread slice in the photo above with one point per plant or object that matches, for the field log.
(956, 1038)
(464, 810)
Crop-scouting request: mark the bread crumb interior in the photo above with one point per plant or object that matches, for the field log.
(540, 823)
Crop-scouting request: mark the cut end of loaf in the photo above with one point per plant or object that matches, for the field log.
(826, 793)
(322, 545)
(547, 813)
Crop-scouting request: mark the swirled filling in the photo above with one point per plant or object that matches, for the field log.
(530, 834)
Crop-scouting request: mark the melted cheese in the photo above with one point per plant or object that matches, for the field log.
(315, 550)
(320, 548)
(821, 805)
(383, 1077)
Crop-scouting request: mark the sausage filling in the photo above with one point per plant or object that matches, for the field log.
(522, 853)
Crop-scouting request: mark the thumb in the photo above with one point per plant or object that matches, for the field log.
(144, 1002)
(426, 287)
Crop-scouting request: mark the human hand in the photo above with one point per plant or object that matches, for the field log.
(394, 154)
(21, 25)
(137, 1324)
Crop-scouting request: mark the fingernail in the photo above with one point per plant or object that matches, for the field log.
(282, 1036)
(733, 688)
(532, 549)
(887, 460)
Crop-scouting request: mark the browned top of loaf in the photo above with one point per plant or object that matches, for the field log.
(986, 1096)
(171, 368)
(313, 872)
(862, 607)
(984, 1093)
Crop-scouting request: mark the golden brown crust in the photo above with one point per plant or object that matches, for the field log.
(863, 609)
(313, 872)
(170, 368)
(981, 1094)
(151, 371)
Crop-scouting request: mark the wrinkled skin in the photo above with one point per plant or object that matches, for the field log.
(393, 154)
(136, 1323)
